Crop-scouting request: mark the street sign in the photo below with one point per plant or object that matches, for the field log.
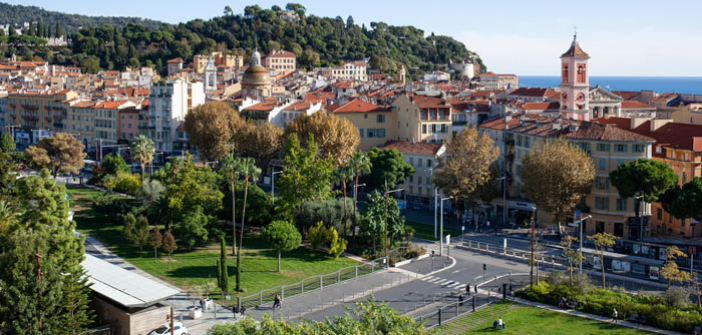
(448, 239)
(692, 250)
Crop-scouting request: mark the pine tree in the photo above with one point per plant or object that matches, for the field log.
(222, 263)
(7, 143)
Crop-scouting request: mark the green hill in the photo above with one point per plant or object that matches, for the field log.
(70, 23)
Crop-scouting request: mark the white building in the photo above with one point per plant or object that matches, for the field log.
(351, 71)
(168, 105)
(436, 76)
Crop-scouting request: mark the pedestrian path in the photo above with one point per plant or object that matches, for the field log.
(445, 283)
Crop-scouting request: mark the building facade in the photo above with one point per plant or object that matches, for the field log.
(376, 125)
(423, 119)
(168, 104)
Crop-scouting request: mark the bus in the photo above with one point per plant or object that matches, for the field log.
(89, 165)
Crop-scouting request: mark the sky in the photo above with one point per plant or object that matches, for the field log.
(623, 38)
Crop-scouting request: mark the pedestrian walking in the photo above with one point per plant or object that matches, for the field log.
(468, 289)
(202, 303)
(276, 302)
(615, 315)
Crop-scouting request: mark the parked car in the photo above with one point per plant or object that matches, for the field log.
(418, 206)
(178, 327)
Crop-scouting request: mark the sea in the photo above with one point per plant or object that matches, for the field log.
(683, 85)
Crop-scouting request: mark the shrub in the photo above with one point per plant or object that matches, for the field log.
(677, 297)
(113, 204)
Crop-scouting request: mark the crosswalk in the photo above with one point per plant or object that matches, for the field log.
(445, 283)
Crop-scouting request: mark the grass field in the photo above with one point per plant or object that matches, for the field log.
(189, 268)
(426, 231)
(521, 319)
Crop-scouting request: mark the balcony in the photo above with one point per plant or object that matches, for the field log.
(633, 222)
(460, 122)
(31, 118)
(30, 107)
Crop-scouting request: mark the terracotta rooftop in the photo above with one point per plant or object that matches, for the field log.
(282, 53)
(406, 147)
(423, 101)
(635, 104)
(575, 50)
(265, 106)
(540, 92)
(676, 135)
(359, 106)
(541, 105)
(298, 106)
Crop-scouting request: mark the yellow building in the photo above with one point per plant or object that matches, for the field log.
(423, 119)
(607, 145)
(35, 111)
(226, 60)
(81, 122)
(107, 118)
(376, 125)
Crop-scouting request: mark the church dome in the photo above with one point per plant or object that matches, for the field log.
(256, 75)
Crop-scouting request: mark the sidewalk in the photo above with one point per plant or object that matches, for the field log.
(595, 317)
(300, 305)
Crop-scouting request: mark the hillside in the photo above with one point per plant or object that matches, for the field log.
(70, 23)
(317, 41)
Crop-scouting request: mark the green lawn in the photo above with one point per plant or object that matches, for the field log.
(426, 231)
(189, 268)
(521, 319)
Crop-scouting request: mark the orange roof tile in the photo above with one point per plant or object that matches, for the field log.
(359, 106)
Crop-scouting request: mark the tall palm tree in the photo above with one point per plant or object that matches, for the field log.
(232, 169)
(142, 151)
(342, 175)
(250, 171)
(359, 162)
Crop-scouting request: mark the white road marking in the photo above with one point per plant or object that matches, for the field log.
(457, 271)
(427, 278)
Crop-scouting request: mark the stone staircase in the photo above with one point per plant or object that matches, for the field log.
(476, 319)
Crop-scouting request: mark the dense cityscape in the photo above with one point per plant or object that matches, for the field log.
(277, 172)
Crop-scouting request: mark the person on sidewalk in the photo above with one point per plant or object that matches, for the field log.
(615, 315)
(468, 289)
(276, 303)
(202, 304)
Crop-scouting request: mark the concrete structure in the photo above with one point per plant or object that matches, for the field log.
(210, 74)
(350, 71)
(224, 60)
(376, 124)
(419, 187)
(423, 119)
(168, 104)
(437, 76)
(175, 66)
(575, 83)
(607, 145)
(493, 81)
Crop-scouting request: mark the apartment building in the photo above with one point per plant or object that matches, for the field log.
(107, 120)
(128, 124)
(169, 102)
(220, 59)
(349, 71)
(493, 81)
(81, 122)
(423, 118)
(376, 124)
(679, 145)
(30, 110)
(608, 145)
(419, 187)
(280, 61)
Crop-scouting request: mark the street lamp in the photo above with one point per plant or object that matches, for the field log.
(273, 185)
(533, 235)
(641, 204)
(580, 223)
(504, 198)
(441, 238)
(387, 260)
(436, 195)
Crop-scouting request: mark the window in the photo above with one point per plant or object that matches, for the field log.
(638, 148)
(361, 130)
(526, 141)
(519, 154)
(600, 228)
(659, 150)
(419, 179)
(620, 162)
(519, 170)
(602, 183)
(419, 164)
(685, 156)
(424, 129)
(621, 147)
(684, 177)
(365, 116)
(519, 140)
(433, 129)
(429, 162)
(602, 164)
(621, 205)
(601, 203)
(412, 161)
(380, 118)
(659, 214)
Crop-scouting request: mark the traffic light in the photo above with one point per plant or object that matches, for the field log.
(484, 267)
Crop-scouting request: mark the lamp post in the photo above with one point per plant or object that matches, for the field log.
(441, 238)
(641, 204)
(504, 198)
(273, 185)
(436, 205)
(533, 235)
(580, 224)
(387, 261)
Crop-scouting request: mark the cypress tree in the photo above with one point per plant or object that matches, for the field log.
(59, 32)
(222, 263)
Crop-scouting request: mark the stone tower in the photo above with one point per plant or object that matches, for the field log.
(575, 83)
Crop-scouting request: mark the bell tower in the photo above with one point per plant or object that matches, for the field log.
(575, 83)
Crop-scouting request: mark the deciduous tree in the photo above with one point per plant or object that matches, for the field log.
(465, 164)
(555, 176)
(7, 143)
(374, 224)
(575, 257)
(210, 128)
(387, 165)
(155, 241)
(61, 153)
(281, 236)
(686, 202)
(670, 269)
(260, 142)
(602, 241)
(169, 245)
(337, 137)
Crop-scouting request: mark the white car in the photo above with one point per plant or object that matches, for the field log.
(178, 327)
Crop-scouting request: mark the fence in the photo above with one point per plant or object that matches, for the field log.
(453, 310)
(311, 284)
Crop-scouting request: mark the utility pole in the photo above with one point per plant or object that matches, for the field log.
(533, 235)
(441, 238)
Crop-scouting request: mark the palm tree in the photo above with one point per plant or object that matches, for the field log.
(142, 151)
(359, 162)
(343, 174)
(250, 171)
(232, 169)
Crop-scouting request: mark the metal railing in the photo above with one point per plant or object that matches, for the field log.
(456, 309)
(310, 284)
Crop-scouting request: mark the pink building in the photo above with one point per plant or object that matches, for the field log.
(128, 124)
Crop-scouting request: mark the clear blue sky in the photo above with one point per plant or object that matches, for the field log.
(623, 38)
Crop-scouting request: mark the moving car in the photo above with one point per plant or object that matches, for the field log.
(178, 327)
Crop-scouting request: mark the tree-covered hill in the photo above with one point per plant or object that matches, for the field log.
(70, 23)
(317, 41)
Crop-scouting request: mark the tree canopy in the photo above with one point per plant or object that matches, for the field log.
(336, 137)
(652, 178)
(281, 236)
(61, 153)
(387, 164)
